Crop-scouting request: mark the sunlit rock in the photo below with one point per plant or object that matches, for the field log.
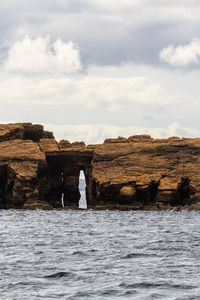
(135, 173)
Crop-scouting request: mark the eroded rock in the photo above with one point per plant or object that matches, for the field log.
(37, 204)
(135, 173)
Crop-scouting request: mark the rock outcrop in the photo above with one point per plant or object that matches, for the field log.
(138, 172)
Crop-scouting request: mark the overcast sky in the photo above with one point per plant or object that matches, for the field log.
(92, 69)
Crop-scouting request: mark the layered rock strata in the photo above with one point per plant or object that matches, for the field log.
(139, 173)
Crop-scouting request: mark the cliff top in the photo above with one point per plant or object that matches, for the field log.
(36, 133)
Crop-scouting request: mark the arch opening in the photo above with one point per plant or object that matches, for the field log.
(69, 178)
(82, 190)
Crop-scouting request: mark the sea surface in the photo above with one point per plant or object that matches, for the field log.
(99, 255)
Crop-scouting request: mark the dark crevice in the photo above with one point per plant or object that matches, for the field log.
(153, 188)
(183, 193)
(63, 177)
(147, 195)
(142, 195)
(3, 184)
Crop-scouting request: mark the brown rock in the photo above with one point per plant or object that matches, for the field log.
(21, 162)
(78, 144)
(20, 150)
(138, 173)
(11, 132)
(23, 131)
(22, 176)
(140, 138)
(174, 139)
(37, 204)
(167, 173)
(47, 135)
(117, 140)
(194, 207)
(127, 191)
(63, 144)
(48, 145)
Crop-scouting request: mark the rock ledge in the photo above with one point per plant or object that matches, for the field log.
(135, 173)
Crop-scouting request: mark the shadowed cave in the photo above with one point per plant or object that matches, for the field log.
(57, 182)
(3, 183)
(64, 171)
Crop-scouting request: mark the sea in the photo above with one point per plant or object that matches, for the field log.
(87, 254)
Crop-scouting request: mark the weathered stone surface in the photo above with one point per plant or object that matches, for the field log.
(78, 144)
(24, 131)
(21, 150)
(135, 173)
(63, 144)
(140, 138)
(128, 191)
(166, 173)
(47, 145)
(37, 204)
(22, 176)
(11, 131)
(64, 169)
(118, 140)
(21, 162)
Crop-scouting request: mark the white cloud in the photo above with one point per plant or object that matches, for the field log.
(107, 31)
(88, 91)
(97, 133)
(114, 6)
(182, 55)
(122, 95)
(40, 56)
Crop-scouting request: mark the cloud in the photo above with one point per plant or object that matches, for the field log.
(182, 56)
(107, 93)
(97, 133)
(40, 78)
(108, 32)
(113, 6)
(40, 56)
(101, 94)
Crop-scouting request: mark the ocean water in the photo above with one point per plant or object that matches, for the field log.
(99, 255)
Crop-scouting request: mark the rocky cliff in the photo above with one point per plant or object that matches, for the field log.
(139, 173)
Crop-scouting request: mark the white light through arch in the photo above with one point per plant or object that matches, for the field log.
(82, 186)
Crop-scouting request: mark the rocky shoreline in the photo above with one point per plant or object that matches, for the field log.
(138, 173)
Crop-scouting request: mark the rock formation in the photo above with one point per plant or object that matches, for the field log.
(139, 173)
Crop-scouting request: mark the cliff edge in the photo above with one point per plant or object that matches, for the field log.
(139, 173)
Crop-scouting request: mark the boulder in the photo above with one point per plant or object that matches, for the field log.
(128, 191)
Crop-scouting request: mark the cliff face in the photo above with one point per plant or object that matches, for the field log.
(134, 173)
(145, 172)
(21, 163)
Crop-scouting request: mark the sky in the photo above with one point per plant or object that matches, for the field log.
(93, 69)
